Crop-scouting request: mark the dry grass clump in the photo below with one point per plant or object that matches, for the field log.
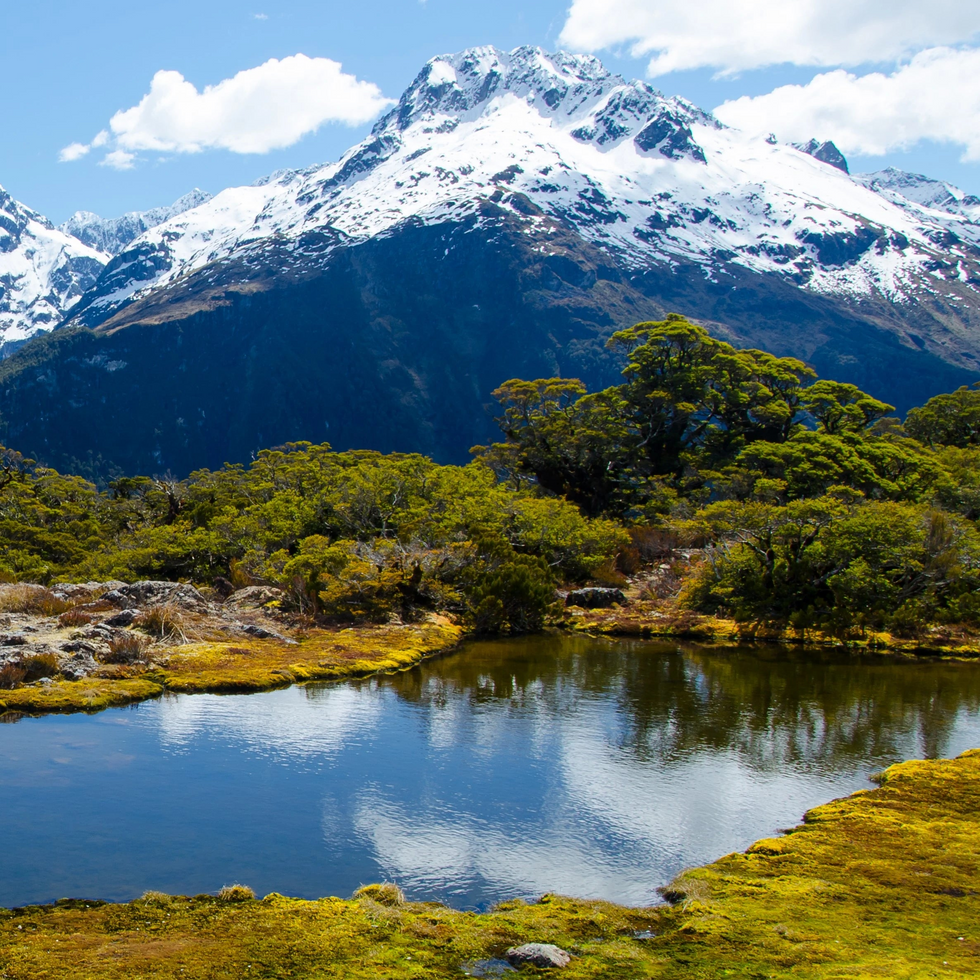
(40, 665)
(386, 893)
(166, 622)
(11, 676)
(76, 617)
(151, 897)
(33, 599)
(127, 648)
(28, 669)
(236, 893)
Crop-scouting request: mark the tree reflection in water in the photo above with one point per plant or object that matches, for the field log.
(772, 705)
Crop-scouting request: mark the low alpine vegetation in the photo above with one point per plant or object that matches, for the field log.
(757, 492)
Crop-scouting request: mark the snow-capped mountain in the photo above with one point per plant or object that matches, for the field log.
(906, 189)
(43, 272)
(653, 180)
(112, 235)
(508, 214)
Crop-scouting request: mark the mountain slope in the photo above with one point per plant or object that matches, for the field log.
(507, 215)
(43, 272)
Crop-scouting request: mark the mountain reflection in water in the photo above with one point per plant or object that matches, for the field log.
(513, 767)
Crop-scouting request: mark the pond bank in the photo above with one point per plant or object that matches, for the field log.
(664, 620)
(880, 883)
(242, 664)
(93, 646)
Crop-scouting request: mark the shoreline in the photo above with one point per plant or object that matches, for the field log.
(659, 621)
(879, 883)
(245, 666)
(249, 665)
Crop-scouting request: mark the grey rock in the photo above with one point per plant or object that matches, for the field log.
(81, 591)
(595, 598)
(253, 597)
(149, 593)
(123, 618)
(82, 664)
(100, 633)
(78, 646)
(13, 640)
(259, 632)
(538, 954)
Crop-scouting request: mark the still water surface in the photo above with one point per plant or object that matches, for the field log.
(582, 766)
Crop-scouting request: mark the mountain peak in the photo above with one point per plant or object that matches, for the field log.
(825, 152)
(460, 86)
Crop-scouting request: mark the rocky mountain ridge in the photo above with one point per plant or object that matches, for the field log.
(112, 235)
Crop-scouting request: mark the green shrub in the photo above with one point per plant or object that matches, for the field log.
(517, 596)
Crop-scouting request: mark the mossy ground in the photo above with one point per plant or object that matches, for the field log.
(245, 665)
(882, 884)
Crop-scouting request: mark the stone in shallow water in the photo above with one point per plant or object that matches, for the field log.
(487, 968)
(538, 954)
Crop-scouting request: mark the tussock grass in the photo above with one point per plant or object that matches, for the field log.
(32, 599)
(164, 622)
(127, 648)
(76, 617)
(11, 676)
(386, 893)
(151, 897)
(40, 665)
(236, 893)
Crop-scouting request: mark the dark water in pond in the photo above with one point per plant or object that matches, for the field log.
(582, 766)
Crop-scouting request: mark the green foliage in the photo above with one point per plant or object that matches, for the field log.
(803, 500)
(948, 420)
(826, 563)
(686, 393)
(818, 509)
(351, 537)
(516, 596)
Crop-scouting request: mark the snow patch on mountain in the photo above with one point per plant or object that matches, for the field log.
(43, 271)
(112, 235)
(558, 138)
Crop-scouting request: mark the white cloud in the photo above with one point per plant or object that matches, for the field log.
(935, 96)
(260, 16)
(258, 110)
(119, 160)
(737, 35)
(73, 151)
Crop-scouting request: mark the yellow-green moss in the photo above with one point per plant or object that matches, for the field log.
(247, 665)
(92, 694)
(882, 884)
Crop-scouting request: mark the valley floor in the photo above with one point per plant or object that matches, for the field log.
(879, 884)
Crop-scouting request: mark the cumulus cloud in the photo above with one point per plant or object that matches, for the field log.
(73, 151)
(738, 35)
(258, 110)
(936, 96)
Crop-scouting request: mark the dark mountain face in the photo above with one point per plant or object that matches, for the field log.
(397, 343)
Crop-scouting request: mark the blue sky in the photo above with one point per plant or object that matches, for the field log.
(69, 67)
